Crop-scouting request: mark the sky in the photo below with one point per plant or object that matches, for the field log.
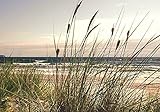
(27, 26)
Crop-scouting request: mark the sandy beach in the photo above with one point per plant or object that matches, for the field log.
(146, 80)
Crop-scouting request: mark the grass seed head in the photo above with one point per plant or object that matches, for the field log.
(57, 52)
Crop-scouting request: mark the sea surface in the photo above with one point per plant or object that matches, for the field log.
(145, 61)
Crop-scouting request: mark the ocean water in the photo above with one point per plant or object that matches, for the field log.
(145, 61)
(48, 67)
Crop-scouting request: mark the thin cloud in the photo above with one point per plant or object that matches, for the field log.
(121, 4)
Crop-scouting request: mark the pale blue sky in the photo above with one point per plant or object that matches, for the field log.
(26, 25)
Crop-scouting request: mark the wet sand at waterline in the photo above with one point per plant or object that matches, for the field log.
(144, 80)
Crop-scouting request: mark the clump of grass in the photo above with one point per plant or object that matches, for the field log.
(102, 86)
(19, 85)
(91, 86)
